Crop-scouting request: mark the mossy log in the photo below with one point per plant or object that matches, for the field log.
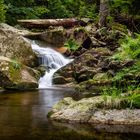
(45, 23)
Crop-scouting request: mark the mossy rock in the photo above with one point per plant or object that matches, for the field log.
(15, 75)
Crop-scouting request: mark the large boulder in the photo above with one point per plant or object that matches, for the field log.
(14, 75)
(16, 47)
(94, 110)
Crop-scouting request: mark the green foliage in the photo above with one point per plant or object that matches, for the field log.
(134, 70)
(121, 5)
(130, 48)
(71, 44)
(28, 9)
(2, 11)
(88, 10)
(125, 6)
(58, 9)
(134, 100)
(115, 98)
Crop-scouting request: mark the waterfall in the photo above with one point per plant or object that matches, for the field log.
(51, 59)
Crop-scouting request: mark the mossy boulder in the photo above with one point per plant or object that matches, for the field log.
(94, 110)
(16, 47)
(15, 75)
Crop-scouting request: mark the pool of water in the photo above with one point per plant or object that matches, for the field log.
(23, 117)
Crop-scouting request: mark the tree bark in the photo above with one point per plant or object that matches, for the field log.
(45, 23)
(104, 12)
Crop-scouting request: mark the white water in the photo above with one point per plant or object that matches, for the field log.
(52, 59)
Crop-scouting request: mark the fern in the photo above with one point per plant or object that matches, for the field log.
(130, 48)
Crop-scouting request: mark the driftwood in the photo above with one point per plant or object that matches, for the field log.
(45, 23)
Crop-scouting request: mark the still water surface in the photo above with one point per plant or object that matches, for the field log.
(23, 117)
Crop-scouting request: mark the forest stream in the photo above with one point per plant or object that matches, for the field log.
(69, 70)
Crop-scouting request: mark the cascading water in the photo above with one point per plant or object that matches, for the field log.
(51, 59)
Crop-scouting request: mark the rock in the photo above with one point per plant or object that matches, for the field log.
(85, 66)
(73, 111)
(63, 104)
(42, 69)
(116, 117)
(85, 74)
(16, 47)
(9, 28)
(92, 62)
(60, 80)
(55, 37)
(87, 110)
(115, 65)
(15, 75)
(128, 63)
(78, 52)
(85, 21)
(100, 77)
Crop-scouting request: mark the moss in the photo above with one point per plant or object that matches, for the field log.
(14, 71)
(50, 114)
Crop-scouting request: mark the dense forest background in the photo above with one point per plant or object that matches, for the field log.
(127, 11)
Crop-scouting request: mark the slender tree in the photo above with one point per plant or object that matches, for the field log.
(104, 12)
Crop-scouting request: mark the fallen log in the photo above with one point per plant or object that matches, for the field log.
(45, 23)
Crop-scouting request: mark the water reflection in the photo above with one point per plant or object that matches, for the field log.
(23, 116)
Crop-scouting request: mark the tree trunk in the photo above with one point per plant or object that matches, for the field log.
(104, 12)
(45, 23)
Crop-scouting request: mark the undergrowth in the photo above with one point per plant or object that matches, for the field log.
(115, 97)
(125, 92)
(129, 49)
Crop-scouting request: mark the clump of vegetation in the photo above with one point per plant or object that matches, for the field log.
(24, 10)
(16, 65)
(14, 70)
(130, 48)
(126, 73)
(126, 90)
(71, 44)
(116, 97)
